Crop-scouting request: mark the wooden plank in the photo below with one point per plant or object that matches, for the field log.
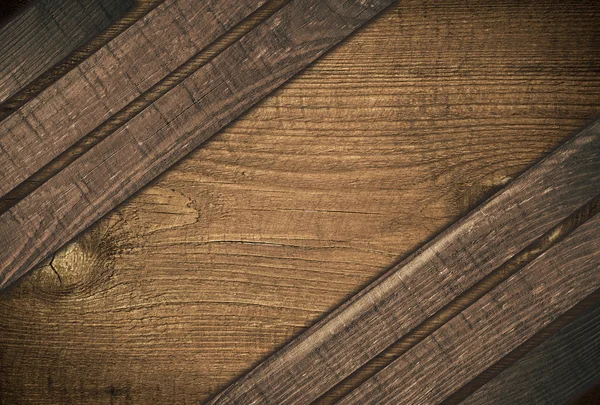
(114, 76)
(300, 203)
(172, 127)
(466, 299)
(46, 33)
(429, 279)
(554, 372)
(489, 329)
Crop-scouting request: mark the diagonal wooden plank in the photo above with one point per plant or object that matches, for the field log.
(554, 372)
(47, 32)
(493, 326)
(110, 79)
(173, 126)
(432, 277)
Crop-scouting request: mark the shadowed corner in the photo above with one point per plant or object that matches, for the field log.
(9, 9)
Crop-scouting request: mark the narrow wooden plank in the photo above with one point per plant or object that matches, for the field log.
(466, 299)
(489, 329)
(554, 372)
(173, 126)
(282, 216)
(110, 79)
(429, 279)
(46, 33)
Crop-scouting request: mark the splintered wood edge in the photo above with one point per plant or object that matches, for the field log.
(110, 79)
(490, 328)
(428, 280)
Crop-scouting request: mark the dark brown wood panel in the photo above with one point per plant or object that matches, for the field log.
(432, 277)
(110, 79)
(554, 372)
(172, 127)
(493, 326)
(301, 203)
(47, 32)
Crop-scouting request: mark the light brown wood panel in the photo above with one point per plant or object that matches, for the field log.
(293, 208)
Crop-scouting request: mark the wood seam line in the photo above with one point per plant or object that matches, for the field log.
(46, 33)
(489, 329)
(564, 357)
(173, 126)
(117, 74)
(107, 127)
(57, 70)
(463, 301)
(429, 279)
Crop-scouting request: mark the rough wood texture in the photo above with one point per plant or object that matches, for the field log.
(493, 326)
(302, 202)
(432, 277)
(172, 127)
(554, 372)
(109, 80)
(45, 33)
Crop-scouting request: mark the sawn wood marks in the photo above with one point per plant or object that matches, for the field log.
(45, 33)
(108, 80)
(173, 126)
(493, 326)
(432, 277)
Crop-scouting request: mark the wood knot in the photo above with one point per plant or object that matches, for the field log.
(85, 264)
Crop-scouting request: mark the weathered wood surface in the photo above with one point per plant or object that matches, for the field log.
(302, 202)
(173, 126)
(465, 300)
(47, 32)
(431, 278)
(493, 326)
(109, 80)
(554, 372)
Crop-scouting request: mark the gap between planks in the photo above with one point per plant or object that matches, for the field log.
(493, 326)
(431, 278)
(462, 302)
(564, 356)
(129, 111)
(57, 70)
(148, 54)
(173, 126)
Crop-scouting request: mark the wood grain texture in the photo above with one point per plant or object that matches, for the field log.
(47, 32)
(466, 299)
(554, 372)
(172, 127)
(493, 326)
(300, 203)
(109, 80)
(432, 277)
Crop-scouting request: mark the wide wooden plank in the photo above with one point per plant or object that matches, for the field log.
(172, 127)
(378, 316)
(300, 203)
(109, 80)
(554, 372)
(47, 32)
(493, 326)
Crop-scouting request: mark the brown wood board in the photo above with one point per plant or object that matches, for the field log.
(110, 79)
(45, 33)
(378, 316)
(172, 127)
(554, 372)
(493, 326)
(300, 203)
